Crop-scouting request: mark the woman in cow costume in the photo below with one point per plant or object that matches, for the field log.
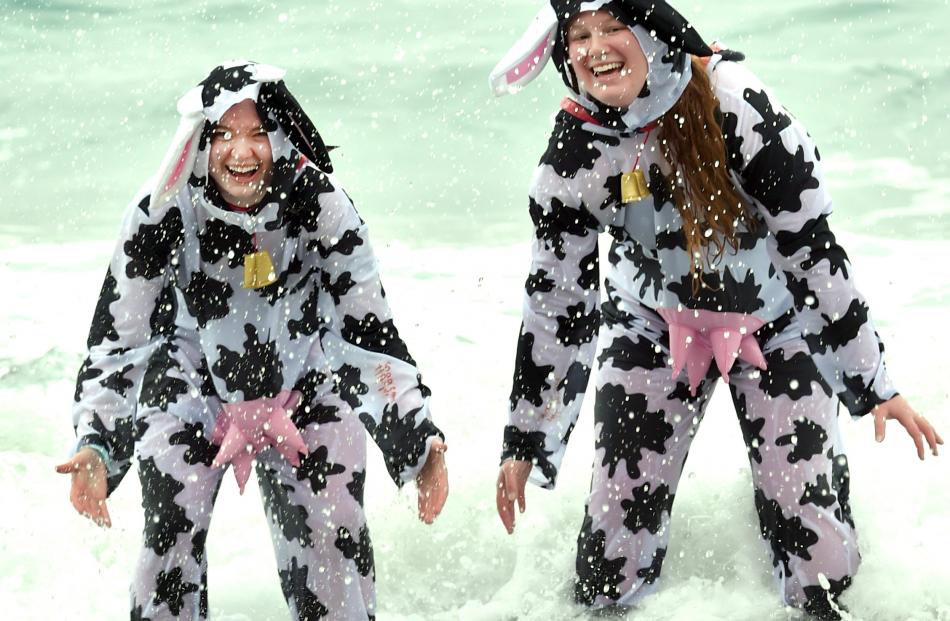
(721, 265)
(242, 317)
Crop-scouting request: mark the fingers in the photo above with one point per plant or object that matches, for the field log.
(425, 515)
(106, 518)
(85, 508)
(433, 484)
(914, 432)
(929, 432)
(90, 504)
(918, 428)
(879, 423)
(70, 466)
(87, 492)
(86, 458)
(515, 484)
(510, 489)
(511, 484)
(505, 507)
(432, 497)
(423, 508)
(95, 510)
(77, 499)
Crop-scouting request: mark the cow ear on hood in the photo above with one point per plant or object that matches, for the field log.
(179, 160)
(277, 99)
(527, 58)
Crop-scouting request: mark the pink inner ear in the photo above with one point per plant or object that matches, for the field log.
(526, 65)
(179, 166)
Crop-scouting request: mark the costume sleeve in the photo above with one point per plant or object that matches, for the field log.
(120, 339)
(780, 168)
(558, 337)
(374, 371)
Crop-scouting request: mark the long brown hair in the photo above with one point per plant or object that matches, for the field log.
(691, 140)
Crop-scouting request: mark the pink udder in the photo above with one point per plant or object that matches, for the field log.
(246, 428)
(699, 336)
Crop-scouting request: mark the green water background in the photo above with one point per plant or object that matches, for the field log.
(430, 157)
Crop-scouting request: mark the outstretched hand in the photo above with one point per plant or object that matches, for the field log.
(89, 489)
(433, 483)
(918, 427)
(512, 478)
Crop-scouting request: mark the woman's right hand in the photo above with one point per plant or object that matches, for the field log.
(512, 478)
(88, 492)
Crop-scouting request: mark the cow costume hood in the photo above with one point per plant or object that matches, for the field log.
(666, 38)
(290, 131)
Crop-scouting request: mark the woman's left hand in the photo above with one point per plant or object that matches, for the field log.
(916, 425)
(433, 483)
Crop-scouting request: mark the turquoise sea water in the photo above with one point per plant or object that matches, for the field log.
(89, 87)
(440, 171)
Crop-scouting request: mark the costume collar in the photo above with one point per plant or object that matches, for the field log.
(582, 114)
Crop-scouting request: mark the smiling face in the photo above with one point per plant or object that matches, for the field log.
(606, 58)
(241, 162)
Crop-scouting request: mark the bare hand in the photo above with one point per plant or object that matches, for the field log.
(88, 492)
(433, 483)
(916, 425)
(512, 478)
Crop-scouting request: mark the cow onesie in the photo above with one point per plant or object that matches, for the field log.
(177, 339)
(784, 299)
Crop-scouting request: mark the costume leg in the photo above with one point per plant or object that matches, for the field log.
(644, 423)
(179, 487)
(324, 554)
(788, 416)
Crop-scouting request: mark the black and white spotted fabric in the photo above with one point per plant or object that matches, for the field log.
(175, 335)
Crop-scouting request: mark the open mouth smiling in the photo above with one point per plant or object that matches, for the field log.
(243, 173)
(607, 69)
